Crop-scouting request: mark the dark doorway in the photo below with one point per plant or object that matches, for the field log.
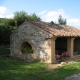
(61, 45)
(77, 46)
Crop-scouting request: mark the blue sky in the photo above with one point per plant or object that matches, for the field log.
(48, 10)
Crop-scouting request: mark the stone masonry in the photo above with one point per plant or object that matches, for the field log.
(43, 37)
(37, 38)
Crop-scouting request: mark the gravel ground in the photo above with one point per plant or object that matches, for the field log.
(74, 77)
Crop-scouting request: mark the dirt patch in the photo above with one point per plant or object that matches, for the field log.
(66, 62)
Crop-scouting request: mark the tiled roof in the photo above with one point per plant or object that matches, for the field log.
(58, 30)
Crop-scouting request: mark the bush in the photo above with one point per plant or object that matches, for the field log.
(27, 50)
(4, 50)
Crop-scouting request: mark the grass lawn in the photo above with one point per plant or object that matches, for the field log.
(4, 50)
(22, 70)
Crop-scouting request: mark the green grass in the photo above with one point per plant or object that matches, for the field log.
(22, 70)
(4, 50)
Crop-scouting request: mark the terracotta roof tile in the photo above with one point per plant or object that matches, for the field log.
(58, 30)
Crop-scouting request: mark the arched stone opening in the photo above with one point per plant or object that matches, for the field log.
(26, 48)
(61, 45)
(27, 51)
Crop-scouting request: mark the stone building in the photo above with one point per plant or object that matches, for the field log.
(45, 39)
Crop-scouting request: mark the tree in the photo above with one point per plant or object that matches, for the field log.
(33, 17)
(5, 32)
(51, 22)
(8, 22)
(19, 17)
(7, 26)
(61, 20)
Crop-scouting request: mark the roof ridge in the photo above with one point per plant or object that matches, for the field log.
(57, 29)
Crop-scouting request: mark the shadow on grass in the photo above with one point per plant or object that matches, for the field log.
(21, 70)
(4, 50)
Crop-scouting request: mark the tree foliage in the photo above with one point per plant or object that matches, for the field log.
(33, 17)
(7, 26)
(61, 20)
(19, 17)
(51, 22)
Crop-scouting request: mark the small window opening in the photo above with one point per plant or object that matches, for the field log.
(26, 48)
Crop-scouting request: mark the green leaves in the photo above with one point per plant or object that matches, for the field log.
(61, 20)
(19, 17)
(33, 17)
(7, 26)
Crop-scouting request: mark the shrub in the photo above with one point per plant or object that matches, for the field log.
(63, 55)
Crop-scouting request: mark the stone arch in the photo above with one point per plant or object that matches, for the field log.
(26, 47)
(29, 55)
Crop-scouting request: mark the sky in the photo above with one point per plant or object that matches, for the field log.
(47, 10)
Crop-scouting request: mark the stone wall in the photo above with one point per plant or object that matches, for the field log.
(35, 36)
